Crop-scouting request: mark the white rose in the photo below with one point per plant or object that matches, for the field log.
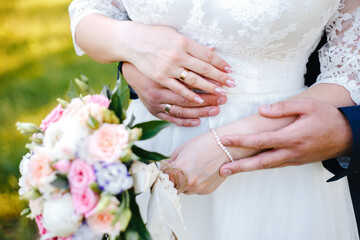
(59, 217)
(65, 137)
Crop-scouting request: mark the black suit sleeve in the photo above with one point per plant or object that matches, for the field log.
(353, 116)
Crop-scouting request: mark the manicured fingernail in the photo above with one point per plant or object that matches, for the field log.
(230, 83)
(220, 91)
(225, 141)
(226, 172)
(213, 112)
(265, 108)
(228, 69)
(221, 100)
(199, 100)
(194, 123)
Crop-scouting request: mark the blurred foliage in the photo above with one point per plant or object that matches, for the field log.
(37, 63)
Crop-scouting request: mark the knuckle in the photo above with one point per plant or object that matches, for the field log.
(182, 42)
(205, 69)
(183, 101)
(264, 164)
(259, 143)
(209, 56)
(192, 80)
(179, 113)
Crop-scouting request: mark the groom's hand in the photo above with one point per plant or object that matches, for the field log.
(155, 97)
(320, 132)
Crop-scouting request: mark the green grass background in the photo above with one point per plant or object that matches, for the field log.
(37, 62)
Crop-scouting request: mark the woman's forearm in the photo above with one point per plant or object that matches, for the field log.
(103, 38)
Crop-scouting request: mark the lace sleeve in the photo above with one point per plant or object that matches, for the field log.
(340, 57)
(80, 8)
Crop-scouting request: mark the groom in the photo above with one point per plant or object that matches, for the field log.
(342, 131)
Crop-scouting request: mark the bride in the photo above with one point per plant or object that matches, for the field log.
(254, 52)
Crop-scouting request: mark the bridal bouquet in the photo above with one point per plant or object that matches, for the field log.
(84, 170)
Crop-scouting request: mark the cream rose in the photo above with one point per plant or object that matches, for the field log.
(106, 143)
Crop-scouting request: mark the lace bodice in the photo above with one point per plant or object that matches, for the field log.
(267, 42)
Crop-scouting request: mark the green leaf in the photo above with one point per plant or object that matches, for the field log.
(71, 92)
(116, 106)
(106, 91)
(130, 124)
(84, 78)
(122, 85)
(25, 212)
(93, 123)
(151, 128)
(146, 155)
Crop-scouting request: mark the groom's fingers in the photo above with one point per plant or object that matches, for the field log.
(288, 108)
(266, 140)
(265, 160)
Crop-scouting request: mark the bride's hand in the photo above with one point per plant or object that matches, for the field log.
(163, 55)
(194, 167)
(155, 97)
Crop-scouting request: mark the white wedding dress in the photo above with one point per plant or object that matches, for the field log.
(267, 43)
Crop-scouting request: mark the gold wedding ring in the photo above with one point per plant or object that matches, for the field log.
(183, 75)
(167, 109)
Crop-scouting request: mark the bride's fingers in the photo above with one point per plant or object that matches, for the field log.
(206, 54)
(264, 160)
(182, 90)
(207, 70)
(195, 112)
(196, 81)
(167, 96)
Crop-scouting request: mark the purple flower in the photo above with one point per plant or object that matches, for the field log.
(112, 178)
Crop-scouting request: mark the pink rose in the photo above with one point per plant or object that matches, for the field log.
(107, 142)
(81, 175)
(74, 107)
(84, 200)
(63, 166)
(38, 220)
(40, 170)
(102, 222)
(98, 99)
(53, 116)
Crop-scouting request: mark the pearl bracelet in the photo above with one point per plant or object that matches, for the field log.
(221, 145)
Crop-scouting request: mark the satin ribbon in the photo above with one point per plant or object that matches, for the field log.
(164, 220)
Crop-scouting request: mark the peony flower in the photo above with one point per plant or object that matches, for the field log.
(81, 175)
(102, 221)
(107, 142)
(98, 99)
(40, 171)
(59, 217)
(62, 166)
(113, 178)
(65, 138)
(84, 200)
(39, 223)
(53, 116)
